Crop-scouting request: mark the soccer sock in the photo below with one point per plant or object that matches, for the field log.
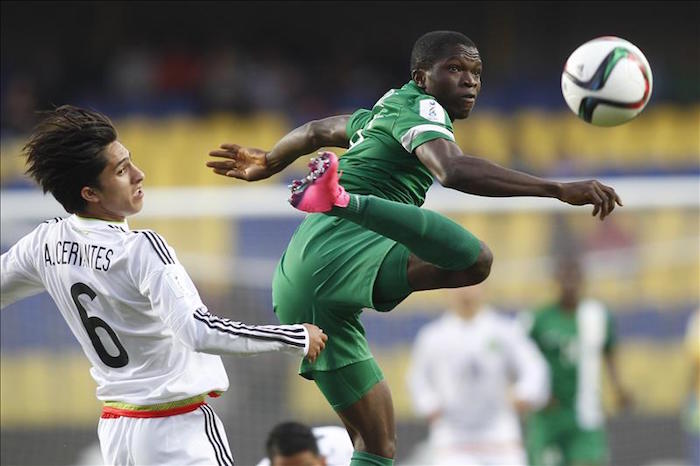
(362, 458)
(427, 234)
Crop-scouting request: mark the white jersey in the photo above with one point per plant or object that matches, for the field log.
(334, 445)
(466, 370)
(134, 310)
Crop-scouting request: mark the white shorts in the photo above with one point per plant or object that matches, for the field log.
(194, 438)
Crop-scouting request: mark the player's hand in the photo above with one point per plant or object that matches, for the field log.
(317, 341)
(244, 163)
(593, 192)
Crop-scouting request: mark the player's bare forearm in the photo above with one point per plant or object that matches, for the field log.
(478, 176)
(250, 164)
(328, 132)
(474, 175)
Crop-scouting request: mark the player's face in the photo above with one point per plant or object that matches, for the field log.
(120, 191)
(303, 458)
(570, 278)
(455, 81)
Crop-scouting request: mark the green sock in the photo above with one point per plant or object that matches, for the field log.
(362, 458)
(427, 234)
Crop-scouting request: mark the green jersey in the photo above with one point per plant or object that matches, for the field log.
(573, 343)
(380, 160)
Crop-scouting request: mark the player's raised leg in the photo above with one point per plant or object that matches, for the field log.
(444, 255)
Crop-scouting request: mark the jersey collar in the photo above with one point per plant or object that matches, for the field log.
(89, 222)
(412, 84)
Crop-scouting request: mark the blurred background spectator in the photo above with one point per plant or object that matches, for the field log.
(473, 372)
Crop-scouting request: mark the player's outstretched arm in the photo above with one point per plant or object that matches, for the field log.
(475, 175)
(207, 333)
(249, 164)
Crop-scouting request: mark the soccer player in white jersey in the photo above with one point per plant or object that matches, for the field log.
(153, 345)
(295, 444)
(473, 371)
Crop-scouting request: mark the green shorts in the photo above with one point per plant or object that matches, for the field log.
(553, 437)
(327, 276)
(343, 387)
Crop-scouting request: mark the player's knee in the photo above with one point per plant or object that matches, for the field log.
(380, 445)
(386, 448)
(482, 267)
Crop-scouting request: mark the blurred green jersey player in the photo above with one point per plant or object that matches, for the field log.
(575, 335)
(377, 248)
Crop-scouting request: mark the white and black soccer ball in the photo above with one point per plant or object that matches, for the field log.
(607, 81)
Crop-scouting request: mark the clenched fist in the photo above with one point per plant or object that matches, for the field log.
(317, 341)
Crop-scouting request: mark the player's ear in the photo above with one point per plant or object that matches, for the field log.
(89, 194)
(418, 77)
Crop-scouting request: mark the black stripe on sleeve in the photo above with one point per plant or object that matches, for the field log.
(249, 334)
(286, 329)
(155, 247)
(159, 239)
(293, 333)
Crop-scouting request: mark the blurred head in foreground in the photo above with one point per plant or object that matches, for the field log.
(293, 444)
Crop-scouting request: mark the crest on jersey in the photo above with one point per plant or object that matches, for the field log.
(431, 110)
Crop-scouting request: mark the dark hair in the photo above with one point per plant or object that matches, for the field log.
(290, 438)
(432, 46)
(66, 152)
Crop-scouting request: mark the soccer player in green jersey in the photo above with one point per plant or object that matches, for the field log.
(575, 335)
(374, 245)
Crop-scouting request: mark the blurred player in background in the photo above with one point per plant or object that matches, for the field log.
(152, 343)
(575, 334)
(691, 413)
(375, 246)
(473, 371)
(295, 444)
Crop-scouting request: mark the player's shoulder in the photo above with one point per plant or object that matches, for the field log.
(148, 243)
(50, 223)
(594, 305)
(53, 221)
(46, 227)
(592, 301)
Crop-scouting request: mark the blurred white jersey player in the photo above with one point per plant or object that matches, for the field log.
(472, 372)
(295, 444)
(152, 343)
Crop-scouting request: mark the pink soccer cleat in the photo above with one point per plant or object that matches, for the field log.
(319, 191)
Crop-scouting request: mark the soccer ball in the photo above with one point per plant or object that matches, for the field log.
(607, 81)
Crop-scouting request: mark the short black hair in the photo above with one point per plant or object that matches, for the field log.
(432, 46)
(66, 152)
(290, 438)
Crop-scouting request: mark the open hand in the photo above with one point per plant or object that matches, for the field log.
(317, 341)
(593, 192)
(244, 163)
